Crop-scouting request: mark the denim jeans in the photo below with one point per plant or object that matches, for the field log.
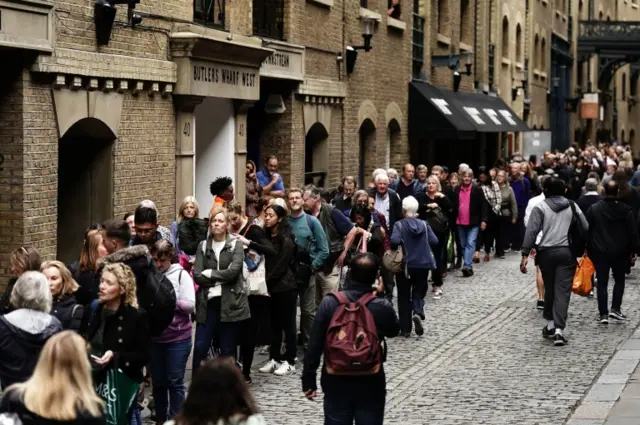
(468, 238)
(206, 333)
(618, 266)
(167, 366)
(365, 407)
(411, 293)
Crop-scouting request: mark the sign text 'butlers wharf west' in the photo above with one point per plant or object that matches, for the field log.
(211, 79)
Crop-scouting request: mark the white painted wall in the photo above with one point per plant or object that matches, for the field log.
(214, 147)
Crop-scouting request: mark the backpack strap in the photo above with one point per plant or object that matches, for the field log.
(341, 297)
(247, 230)
(367, 298)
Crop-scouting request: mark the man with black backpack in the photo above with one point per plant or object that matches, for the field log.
(154, 291)
(350, 329)
(564, 233)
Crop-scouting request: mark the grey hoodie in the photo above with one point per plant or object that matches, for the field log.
(552, 217)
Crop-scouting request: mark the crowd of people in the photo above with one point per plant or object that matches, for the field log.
(228, 283)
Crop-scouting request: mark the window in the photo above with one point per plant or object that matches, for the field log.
(600, 16)
(518, 43)
(443, 17)
(418, 44)
(268, 18)
(624, 86)
(505, 37)
(363, 3)
(466, 30)
(209, 12)
(393, 9)
(543, 55)
(536, 52)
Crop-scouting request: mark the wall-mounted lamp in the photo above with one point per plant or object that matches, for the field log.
(457, 78)
(104, 14)
(368, 25)
(468, 62)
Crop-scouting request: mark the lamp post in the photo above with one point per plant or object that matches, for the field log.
(368, 25)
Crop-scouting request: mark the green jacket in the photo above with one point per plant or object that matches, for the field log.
(228, 273)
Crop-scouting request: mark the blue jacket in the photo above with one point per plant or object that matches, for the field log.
(417, 237)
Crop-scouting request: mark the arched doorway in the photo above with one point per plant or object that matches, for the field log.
(632, 139)
(393, 129)
(85, 183)
(316, 155)
(367, 157)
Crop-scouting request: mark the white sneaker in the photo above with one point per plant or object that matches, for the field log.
(285, 369)
(270, 367)
(437, 294)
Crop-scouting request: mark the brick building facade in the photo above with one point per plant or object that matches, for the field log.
(88, 130)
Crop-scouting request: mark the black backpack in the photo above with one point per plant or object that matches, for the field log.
(158, 298)
(577, 233)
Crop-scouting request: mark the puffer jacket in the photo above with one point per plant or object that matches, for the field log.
(225, 271)
(191, 231)
(180, 327)
(69, 312)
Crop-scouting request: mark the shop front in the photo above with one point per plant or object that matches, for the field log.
(218, 82)
(449, 128)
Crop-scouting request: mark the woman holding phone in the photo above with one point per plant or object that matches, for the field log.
(118, 331)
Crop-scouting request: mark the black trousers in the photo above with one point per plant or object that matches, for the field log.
(517, 231)
(440, 254)
(489, 235)
(283, 318)
(454, 230)
(558, 266)
(503, 234)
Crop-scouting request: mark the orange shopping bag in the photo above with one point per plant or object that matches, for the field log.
(582, 279)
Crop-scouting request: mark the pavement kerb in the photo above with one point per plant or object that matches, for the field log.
(598, 402)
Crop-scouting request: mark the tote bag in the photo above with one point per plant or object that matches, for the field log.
(118, 392)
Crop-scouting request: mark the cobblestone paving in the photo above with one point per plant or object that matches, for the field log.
(482, 359)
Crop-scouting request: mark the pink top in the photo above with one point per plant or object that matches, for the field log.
(464, 206)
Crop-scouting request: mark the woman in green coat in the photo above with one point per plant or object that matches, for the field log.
(222, 305)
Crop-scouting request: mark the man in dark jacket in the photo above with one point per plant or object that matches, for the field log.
(407, 184)
(590, 197)
(351, 397)
(343, 200)
(387, 200)
(116, 236)
(470, 208)
(522, 190)
(613, 238)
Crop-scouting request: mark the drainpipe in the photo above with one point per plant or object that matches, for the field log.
(475, 42)
(340, 71)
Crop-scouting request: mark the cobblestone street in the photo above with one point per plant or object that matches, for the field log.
(482, 359)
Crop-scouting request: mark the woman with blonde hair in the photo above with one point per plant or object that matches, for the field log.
(60, 391)
(21, 260)
(222, 304)
(65, 307)
(118, 330)
(188, 229)
(86, 272)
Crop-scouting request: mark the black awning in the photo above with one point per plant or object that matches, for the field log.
(489, 114)
(435, 113)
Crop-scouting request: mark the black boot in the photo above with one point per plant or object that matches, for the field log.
(458, 264)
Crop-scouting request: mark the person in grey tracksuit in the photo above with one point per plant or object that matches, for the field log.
(557, 262)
